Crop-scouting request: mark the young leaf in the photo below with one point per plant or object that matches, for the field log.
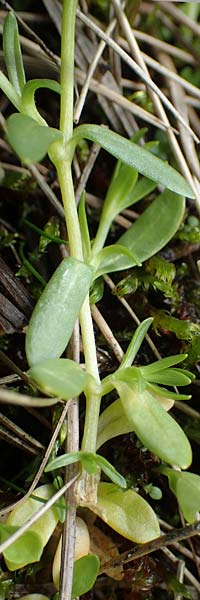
(120, 192)
(111, 472)
(135, 156)
(20, 552)
(163, 363)
(157, 430)
(127, 513)
(29, 140)
(186, 487)
(142, 189)
(167, 377)
(59, 377)
(90, 462)
(85, 573)
(12, 53)
(164, 215)
(9, 91)
(161, 391)
(56, 311)
(135, 343)
(113, 258)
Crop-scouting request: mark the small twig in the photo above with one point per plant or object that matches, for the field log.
(86, 171)
(175, 535)
(107, 333)
(7, 397)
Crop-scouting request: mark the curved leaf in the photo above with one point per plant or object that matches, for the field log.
(135, 343)
(127, 513)
(59, 377)
(157, 430)
(155, 227)
(112, 422)
(56, 311)
(113, 258)
(29, 140)
(28, 106)
(135, 156)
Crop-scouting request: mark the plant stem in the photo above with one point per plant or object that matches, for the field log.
(67, 68)
(63, 165)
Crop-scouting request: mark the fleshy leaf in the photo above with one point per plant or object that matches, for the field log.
(27, 549)
(127, 513)
(168, 377)
(186, 487)
(59, 377)
(135, 156)
(112, 422)
(29, 140)
(164, 215)
(56, 311)
(20, 552)
(157, 430)
(90, 462)
(85, 573)
(163, 363)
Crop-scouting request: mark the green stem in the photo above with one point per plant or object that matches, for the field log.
(67, 68)
(62, 160)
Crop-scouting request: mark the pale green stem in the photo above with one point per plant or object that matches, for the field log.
(67, 68)
(62, 159)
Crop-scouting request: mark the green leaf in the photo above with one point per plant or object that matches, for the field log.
(135, 156)
(135, 343)
(163, 363)
(9, 90)
(21, 552)
(127, 513)
(12, 53)
(120, 192)
(28, 106)
(112, 422)
(157, 430)
(56, 311)
(85, 573)
(164, 215)
(111, 472)
(186, 487)
(177, 587)
(142, 189)
(59, 377)
(27, 549)
(113, 258)
(90, 462)
(29, 140)
(167, 393)
(167, 377)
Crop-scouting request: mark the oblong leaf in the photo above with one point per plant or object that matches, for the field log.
(26, 550)
(85, 573)
(113, 258)
(120, 191)
(135, 156)
(29, 140)
(56, 311)
(59, 377)
(163, 363)
(127, 513)
(157, 430)
(168, 377)
(41, 531)
(156, 226)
